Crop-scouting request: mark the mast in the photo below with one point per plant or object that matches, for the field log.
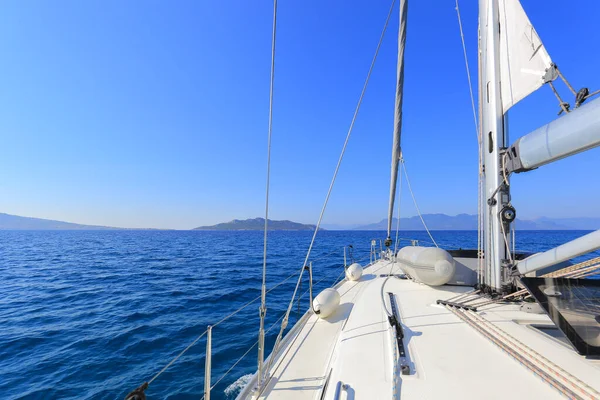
(496, 190)
(396, 147)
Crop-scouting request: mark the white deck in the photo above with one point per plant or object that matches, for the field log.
(448, 358)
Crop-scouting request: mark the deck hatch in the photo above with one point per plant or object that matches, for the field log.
(574, 307)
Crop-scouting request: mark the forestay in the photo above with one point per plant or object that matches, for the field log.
(523, 58)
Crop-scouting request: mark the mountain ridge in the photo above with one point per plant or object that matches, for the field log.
(434, 222)
(257, 224)
(469, 222)
(16, 222)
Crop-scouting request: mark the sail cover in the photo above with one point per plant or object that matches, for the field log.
(523, 57)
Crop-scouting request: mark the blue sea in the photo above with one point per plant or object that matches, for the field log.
(94, 314)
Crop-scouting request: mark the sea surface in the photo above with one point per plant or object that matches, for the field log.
(94, 314)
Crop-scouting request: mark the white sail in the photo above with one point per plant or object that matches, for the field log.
(523, 57)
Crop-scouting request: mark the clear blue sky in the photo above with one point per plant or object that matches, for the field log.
(154, 113)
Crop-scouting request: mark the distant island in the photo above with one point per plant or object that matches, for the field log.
(465, 222)
(257, 224)
(17, 223)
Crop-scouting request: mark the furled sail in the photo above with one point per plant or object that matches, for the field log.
(523, 58)
(396, 148)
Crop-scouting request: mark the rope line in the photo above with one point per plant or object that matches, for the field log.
(550, 372)
(561, 372)
(325, 256)
(417, 206)
(177, 357)
(337, 168)
(526, 362)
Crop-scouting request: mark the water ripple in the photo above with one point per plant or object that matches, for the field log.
(93, 314)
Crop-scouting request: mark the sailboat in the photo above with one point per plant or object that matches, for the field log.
(427, 323)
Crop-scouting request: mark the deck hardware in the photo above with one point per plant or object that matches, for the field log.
(138, 394)
(508, 214)
(456, 305)
(394, 320)
(208, 363)
(350, 250)
(324, 390)
(399, 276)
(581, 96)
(338, 389)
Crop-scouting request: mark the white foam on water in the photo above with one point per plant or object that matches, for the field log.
(233, 389)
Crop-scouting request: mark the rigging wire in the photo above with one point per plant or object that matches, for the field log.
(337, 168)
(417, 206)
(263, 302)
(462, 37)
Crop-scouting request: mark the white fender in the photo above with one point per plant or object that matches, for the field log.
(354, 272)
(326, 302)
(429, 265)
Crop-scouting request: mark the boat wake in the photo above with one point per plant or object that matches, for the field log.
(232, 390)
